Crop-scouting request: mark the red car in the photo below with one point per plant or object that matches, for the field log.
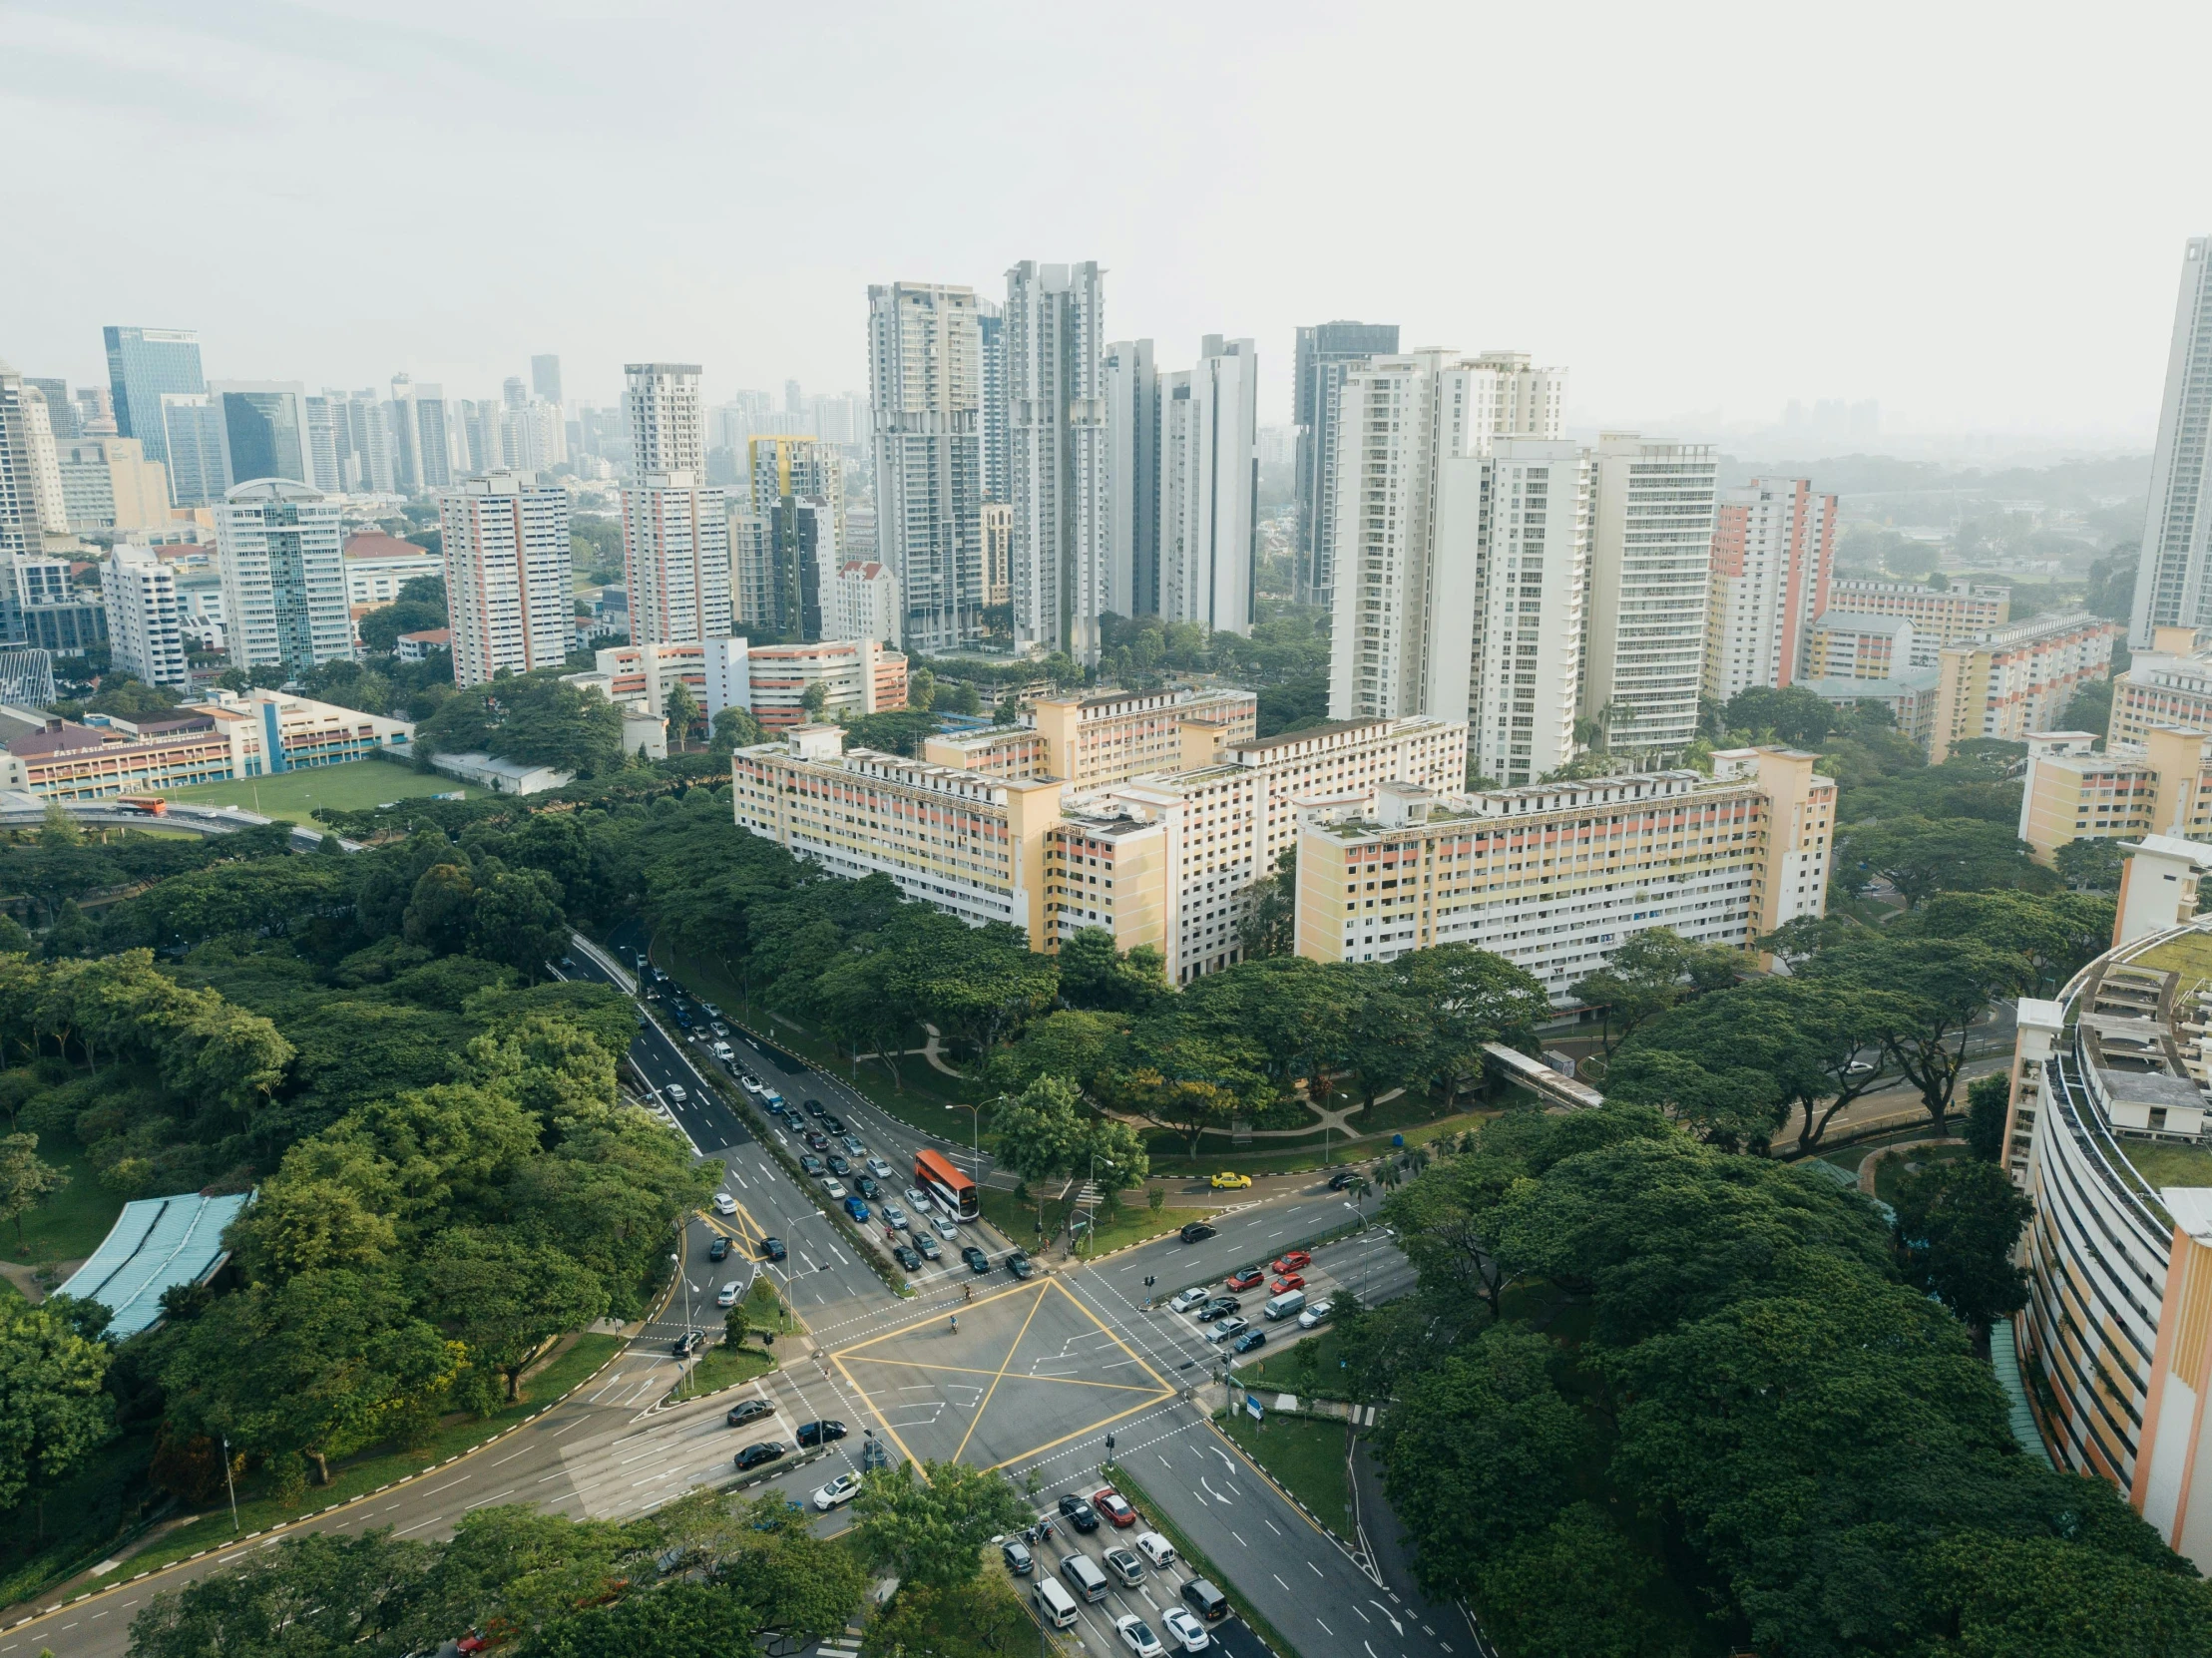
(1246, 1278)
(1287, 1282)
(1296, 1260)
(1114, 1506)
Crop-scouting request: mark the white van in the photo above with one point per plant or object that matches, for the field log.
(1085, 1577)
(1289, 1302)
(1053, 1603)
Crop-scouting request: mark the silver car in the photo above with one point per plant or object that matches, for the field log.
(945, 1228)
(931, 1249)
(916, 1199)
(1229, 1327)
(893, 1215)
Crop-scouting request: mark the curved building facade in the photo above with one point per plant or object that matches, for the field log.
(2107, 1133)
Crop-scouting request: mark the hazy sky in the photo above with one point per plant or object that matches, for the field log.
(1975, 214)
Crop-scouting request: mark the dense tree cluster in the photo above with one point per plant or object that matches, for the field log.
(535, 718)
(1646, 1383)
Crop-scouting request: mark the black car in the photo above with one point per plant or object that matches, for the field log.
(839, 1168)
(1219, 1307)
(1198, 1232)
(1020, 1264)
(906, 1258)
(814, 1108)
(771, 1249)
(1078, 1513)
(978, 1262)
(749, 1410)
(819, 1433)
(718, 1250)
(753, 1455)
(816, 1140)
(689, 1343)
(834, 1124)
(812, 1164)
(868, 1188)
(1248, 1341)
(1344, 1181)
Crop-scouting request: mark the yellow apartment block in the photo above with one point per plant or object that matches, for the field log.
(1555, 877)
(2167, 685)
(2160, 786)
(1095, 740)
(2018, 679)
(1945, 614)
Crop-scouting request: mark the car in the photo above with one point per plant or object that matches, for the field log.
(1228, 1182)
(651, 995)
(1344, 1181)
(1188, 1300)
(931, 1249)
(1219, 1307)
(675, 1093)
(1115, 1507)
(945, 1227)
(1228, 1330)
(689, 1343)
(835, 1123)
(1078, 1513)
(1185, 1630)
(813, 1107)
(1244, 1278)
(567, 960)
(713, 1011)
(855, 1147)
(819, 1433)
(879, 1168)
(917, 1200)
(718, 1250)
(758, 1456)
(1156, 1549)
(893, 1215)
(813, 1165)
(1019, 1560)
(1020, 1264)
(834, 1189)
(857, 1207)
(816, 1140)
(1291, 1260)
(724, 1204)
(728, 1295)
(750, 1085)
(1125, 1565)
(907, 1259)
(843, 1488)
(1198, 1232)
(1859, 1067)
(866, 1187)
(718, 1028)
(1138, 1636)
(1315, 1315)
(749, 1410)
(978, 1262)
(1287, 1283)
(722, 1053)
(1249, 1342)
(771, 1249)
(684, 1019)
(839, 1166)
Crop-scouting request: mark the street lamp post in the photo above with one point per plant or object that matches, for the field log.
(231, 1483)
(684, 1275)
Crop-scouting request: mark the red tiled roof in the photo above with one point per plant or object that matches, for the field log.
(374, 544)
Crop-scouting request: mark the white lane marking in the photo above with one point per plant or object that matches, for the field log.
(510, 1456)
(418, 1526)
(1286, 1587)
(1385, 1612)
(1326, 1630)
(1271, 1525)
(1364, 1618)
(480, 1502)
(1240, 1542)
(1316, 1571)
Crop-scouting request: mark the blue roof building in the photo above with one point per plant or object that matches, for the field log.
(155, 1244)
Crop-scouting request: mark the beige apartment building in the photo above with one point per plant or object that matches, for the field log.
(1945, 614)
(1106, 739)
(2016, 679)
(1557, 876)
(2167, 684)
(2159, 786)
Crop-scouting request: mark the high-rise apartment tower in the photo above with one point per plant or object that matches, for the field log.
(1324, 352)
(2172, 586)
(507, 563)
(925, 383)
(142, 363)
(1651, 538)
(1055, 445)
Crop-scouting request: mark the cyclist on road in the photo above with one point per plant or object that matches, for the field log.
(955, 1324)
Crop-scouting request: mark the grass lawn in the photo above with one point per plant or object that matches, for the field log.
(2170, 1165)
(720, 1367)
(1135, 1223)
(258, 1509)
(2189, 955)
(1306, 1458)
(1288, 1371)
(355, 786)
(70, 1225)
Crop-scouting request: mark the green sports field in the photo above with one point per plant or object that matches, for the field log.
(350, 788)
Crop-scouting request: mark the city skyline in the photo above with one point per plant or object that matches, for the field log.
(1917, 305)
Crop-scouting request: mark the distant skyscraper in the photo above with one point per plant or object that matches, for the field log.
(362, 438)
(1056, 448)
(31, 498)
(480, 422)
(676, 527)
(144, 626)
(61, 413)
(925, 385)
(265, 430)
(1774, 550)
(1131, 388)
(793, 403)
(422, 431)
(142, 363)
(1209, 488)
(279, 548)
(2172, 586)
(545, 377)
(991, 351)
(95, 412)
(1651, 540)
(507, 565)
(191, 432)
(798, 492)
(1324, 352)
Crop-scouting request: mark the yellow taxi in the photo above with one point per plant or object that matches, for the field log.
(1232, 1182)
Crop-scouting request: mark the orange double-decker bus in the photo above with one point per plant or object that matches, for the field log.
(950, 1189)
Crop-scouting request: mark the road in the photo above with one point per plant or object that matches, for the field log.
(1035, 1377)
